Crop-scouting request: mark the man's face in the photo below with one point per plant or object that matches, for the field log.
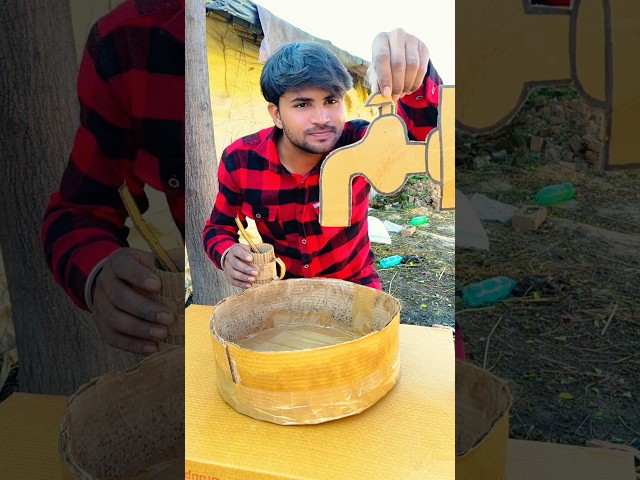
(312, 119)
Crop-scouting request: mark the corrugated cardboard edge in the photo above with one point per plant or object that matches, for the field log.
(486, 459)
(71, 466)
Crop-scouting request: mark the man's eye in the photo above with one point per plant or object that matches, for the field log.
(332, 101)
(300, 105)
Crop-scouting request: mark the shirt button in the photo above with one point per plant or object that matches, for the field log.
(306, 266)
(304, 241)
(258, 215)
(433, 90)
(174, 182)
(419, 97)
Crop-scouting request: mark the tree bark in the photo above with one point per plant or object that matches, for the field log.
(209, 284)
(59, 347)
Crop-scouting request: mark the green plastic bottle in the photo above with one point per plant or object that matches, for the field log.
(553, 194)
(415, 221)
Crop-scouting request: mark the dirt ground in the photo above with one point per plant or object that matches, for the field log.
(425, 284)
(567, 340)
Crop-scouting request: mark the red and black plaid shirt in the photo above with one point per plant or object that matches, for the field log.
(254, 184)
(131, 92)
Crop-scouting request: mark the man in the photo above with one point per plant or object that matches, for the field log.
(272, 176)
(131, 92)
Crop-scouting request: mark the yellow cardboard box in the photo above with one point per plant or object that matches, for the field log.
(552, 461)
(29, 449)
(402, 432)
(408, 434)
(29, 432)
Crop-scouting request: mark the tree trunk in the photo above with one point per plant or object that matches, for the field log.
(59, 347)
(209, 284)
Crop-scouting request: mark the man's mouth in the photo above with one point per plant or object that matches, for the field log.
(322, 134)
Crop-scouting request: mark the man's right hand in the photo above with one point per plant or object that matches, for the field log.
(237, 266)
(126, 316)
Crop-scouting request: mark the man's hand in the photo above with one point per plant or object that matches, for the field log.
(399, 63)
(237, 266)
(125, 315)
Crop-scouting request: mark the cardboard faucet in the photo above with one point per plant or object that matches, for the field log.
(505, 48)
(386, 157)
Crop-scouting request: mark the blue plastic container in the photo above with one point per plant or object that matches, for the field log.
(390, 261)
(488, 291)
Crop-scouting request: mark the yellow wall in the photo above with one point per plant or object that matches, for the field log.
(237, 104)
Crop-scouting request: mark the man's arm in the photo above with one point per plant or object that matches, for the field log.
(220, 230)
(220, 234)
(83, 234)
(84, 220)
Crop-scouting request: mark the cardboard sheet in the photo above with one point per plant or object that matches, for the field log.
(550, 461)
(29, 430)
(408, 434)
(383, 442)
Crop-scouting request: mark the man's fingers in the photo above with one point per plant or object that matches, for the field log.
(241, 266)
(135, 269)
(238, 283)
(237, 267)
(381, 59)
(398, 61)
(238, 278)
(130, 344)
(423, 58)
(131, 326)
(126, 299)
(412, 63)
(242, 252)
(240, 274)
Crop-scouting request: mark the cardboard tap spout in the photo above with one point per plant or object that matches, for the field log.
(386, 157)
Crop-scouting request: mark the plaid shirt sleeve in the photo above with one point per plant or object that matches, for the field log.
(85, 219)
(420, 109)
(220, 231)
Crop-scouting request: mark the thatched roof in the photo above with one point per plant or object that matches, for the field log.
(270, 32)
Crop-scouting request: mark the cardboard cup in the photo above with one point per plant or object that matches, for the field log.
(171, 295)
(266, 263)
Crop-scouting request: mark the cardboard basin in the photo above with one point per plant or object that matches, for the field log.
(483, 402)
(305, 351)
(127, 424)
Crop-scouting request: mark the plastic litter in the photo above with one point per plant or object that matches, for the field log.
(488, 291)
(391, 261)
(553, 194)
(421, 220)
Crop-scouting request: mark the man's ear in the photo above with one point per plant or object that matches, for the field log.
(274, 111)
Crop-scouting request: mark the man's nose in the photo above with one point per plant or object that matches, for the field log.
(321, 115)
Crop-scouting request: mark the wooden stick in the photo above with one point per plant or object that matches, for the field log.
(486, 347)
(606, 325)
(246, 236)
(144, 230)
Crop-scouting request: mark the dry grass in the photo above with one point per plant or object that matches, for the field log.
(568, 339)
